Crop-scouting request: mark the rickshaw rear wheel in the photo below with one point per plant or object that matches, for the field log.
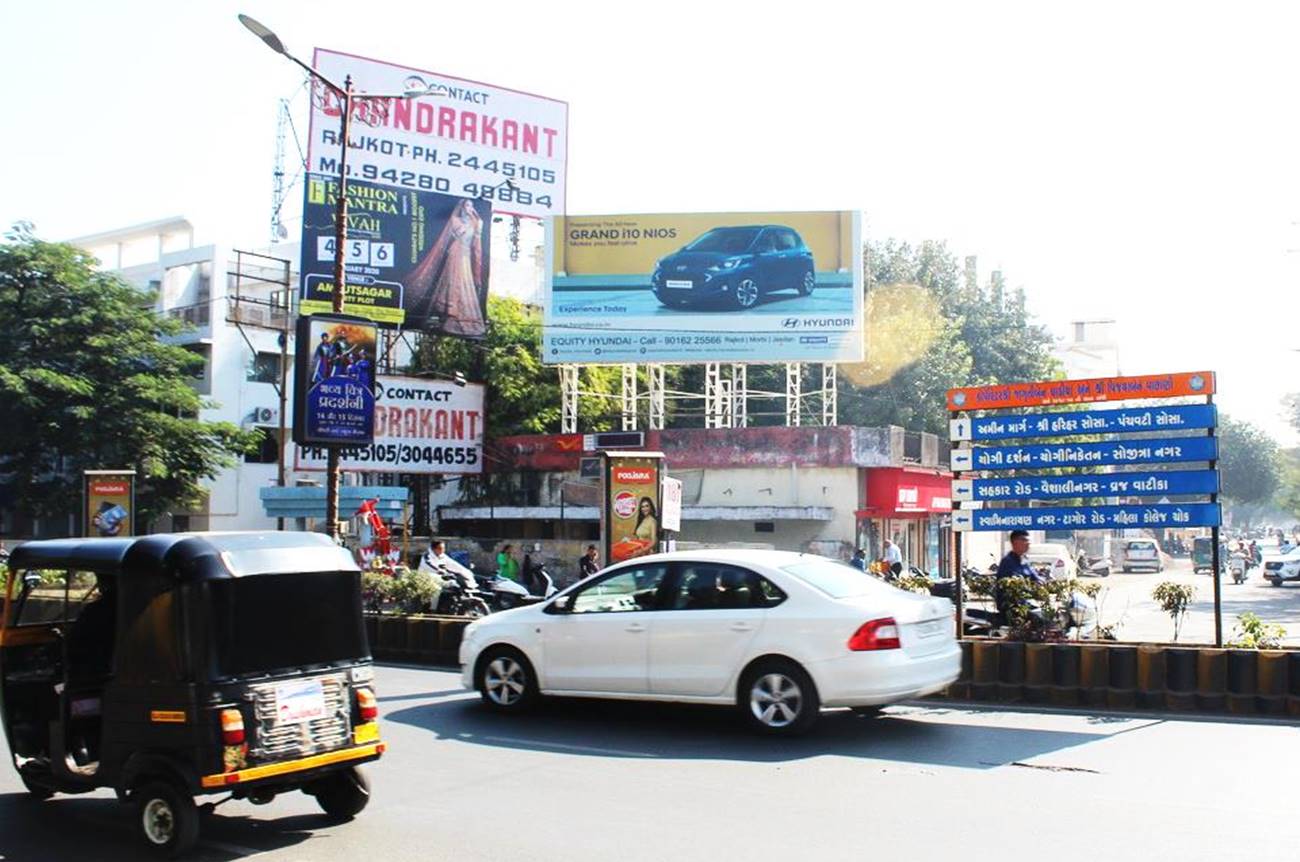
(36, 791)
(344, 794)
(167, 817)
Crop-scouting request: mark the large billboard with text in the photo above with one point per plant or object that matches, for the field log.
(704, 287)
(471, 140)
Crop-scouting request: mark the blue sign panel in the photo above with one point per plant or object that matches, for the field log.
(1155, 515)
(1141, 484)
(1125, 421)
(1158, 451)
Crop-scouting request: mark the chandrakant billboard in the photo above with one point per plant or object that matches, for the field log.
(704, 287)
(472, 140)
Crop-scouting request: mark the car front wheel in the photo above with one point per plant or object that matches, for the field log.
(808, 283)
(505, 680)
(746, 294)
(778, 698)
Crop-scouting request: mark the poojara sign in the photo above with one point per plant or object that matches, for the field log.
(109, 507)
(630, 514)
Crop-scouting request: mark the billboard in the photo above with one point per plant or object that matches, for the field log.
(704, 287)
(334, 381)
(414, 259)
(109, 503)
(632, 509)
(421, 426)
(473, 140)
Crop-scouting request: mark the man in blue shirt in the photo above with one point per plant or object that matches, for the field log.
(1014, 565)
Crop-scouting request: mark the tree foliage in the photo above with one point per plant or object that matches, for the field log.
(932, 326)
(89, 382)
(1249, 462)
(523, 396)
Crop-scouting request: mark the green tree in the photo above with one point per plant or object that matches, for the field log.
(523, 396)
(1249, 462)
(932, 326)
(88, 382)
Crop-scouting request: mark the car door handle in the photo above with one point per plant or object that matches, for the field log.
(741, 627)
(634, 627)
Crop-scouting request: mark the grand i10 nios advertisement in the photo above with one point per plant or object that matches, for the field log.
(704, 287)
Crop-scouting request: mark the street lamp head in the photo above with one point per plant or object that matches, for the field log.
(261, 31)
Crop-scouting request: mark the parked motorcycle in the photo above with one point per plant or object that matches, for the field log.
(1076, 619)
(502, 594)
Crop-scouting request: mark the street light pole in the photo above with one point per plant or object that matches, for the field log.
(346, 96)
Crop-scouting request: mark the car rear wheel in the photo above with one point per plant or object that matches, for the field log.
(746, 294)
(168, 818)
(342, 795)
(778, 698)
(808, 283)
(506, 681)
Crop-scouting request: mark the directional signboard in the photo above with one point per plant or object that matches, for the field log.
(1043, 456)
(1155, 483)
(1081, 391)
(1125, 421)
(1154, 515)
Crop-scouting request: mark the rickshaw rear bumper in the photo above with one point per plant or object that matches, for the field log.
(295, 772)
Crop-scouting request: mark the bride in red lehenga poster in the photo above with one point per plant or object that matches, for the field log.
(446, 283)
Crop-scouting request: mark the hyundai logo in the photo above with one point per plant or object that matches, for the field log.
(790, 322)
(681, 268)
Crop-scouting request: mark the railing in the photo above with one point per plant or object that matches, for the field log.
(197, 315)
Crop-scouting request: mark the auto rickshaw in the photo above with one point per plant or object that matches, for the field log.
(169, 666)
(1203, 555)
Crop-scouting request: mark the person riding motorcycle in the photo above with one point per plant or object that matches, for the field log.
(436, 560)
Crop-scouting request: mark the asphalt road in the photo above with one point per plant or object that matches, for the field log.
(584, 780)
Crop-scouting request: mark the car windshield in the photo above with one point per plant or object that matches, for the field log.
(263, 623)
(725, 240)
(1141, 546)
(837, 580)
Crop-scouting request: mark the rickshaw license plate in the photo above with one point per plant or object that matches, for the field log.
(300, 701)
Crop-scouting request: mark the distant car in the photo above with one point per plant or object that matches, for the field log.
(1280, 568)
(1137, 554)
(736, 266)
(775, 634)
(1055, 558)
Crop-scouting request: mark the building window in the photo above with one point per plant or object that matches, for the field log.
(268, 450)
(264, 368)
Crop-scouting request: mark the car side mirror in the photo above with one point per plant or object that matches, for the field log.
(562, 605)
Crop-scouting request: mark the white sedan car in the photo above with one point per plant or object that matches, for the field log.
(776, 634)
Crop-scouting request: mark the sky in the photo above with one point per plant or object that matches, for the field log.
(1125, 161)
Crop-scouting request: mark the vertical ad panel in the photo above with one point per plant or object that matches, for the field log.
(704, 287)
(109, 503)
(632, 507)
(334, 381)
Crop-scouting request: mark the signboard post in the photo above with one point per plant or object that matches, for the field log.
(108, 507)
(631, 506)
(1143, 491)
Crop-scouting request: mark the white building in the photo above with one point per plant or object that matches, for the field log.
(1089, 349)
(238, 303)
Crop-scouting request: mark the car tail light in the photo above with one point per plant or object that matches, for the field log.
(874, 635)
(232, 727)
(367, 705)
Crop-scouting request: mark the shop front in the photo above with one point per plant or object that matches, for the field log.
(913, 508)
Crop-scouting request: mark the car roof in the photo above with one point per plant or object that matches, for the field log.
(189, 555)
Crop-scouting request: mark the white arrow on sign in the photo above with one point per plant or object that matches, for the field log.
(962, 521)
(962, 460)
(962, 489)
(959, 429)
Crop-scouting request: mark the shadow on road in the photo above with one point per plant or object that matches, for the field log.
(672, 731)
(102, 829)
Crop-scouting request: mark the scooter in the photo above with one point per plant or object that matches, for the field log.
(1237, 566)
(502, 594)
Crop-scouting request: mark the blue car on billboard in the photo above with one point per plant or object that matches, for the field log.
(735, 266)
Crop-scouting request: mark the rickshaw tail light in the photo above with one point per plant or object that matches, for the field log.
(367, 706)
(232, 727)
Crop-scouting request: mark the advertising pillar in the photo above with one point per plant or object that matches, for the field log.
(631, 511)
(108, 509)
